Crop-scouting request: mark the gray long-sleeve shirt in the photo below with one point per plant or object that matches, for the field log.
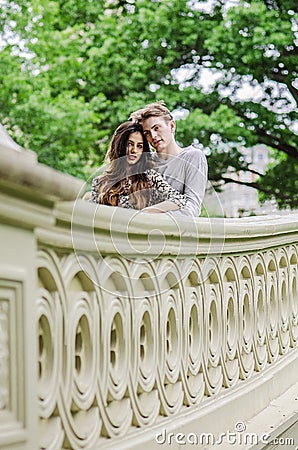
(187, 173)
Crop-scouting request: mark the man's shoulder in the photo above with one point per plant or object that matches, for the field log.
(192, 153)
(190, 150)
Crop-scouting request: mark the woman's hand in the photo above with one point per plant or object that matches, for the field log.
(87, 196)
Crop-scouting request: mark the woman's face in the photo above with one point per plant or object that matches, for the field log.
(134, 147)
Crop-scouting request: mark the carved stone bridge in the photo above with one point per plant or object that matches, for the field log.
(118, 331)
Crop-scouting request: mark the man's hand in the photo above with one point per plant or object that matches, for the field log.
(152, 209)
(161, 207)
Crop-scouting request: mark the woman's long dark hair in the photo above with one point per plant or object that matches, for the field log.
(112, 183)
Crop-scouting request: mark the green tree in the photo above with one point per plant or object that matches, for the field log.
(79, 68)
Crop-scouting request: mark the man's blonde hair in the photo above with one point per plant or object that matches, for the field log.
(156, 109)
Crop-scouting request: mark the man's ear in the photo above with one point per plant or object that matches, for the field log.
(173, 125)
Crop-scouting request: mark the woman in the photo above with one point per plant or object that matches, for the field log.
(131, 181)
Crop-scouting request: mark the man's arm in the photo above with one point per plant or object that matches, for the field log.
(193, 172)
(196, 173)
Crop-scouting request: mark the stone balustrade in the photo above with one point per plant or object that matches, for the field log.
(120, 329)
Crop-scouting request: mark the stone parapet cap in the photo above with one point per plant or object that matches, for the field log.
(6, 142)
(131, 232)
(20, 170)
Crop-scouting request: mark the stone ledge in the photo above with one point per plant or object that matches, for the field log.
(19, 170)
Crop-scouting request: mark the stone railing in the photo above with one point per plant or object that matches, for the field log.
(121, 329)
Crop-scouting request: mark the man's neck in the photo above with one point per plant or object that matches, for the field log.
(172, 150)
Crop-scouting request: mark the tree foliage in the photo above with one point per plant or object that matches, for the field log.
(71, 70)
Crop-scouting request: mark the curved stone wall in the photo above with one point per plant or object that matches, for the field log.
(128, 345)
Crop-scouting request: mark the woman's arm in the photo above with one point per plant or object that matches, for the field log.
(168, 198)
(124, 202)
(94, 190)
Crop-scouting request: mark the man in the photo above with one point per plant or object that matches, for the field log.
(185, 169)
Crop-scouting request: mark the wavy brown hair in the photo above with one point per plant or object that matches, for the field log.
(112, 184)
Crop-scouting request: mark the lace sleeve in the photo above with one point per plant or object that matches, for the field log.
(94, 190)
(164, 191)
(125, 203)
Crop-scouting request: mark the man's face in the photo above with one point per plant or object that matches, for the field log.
(159, 133)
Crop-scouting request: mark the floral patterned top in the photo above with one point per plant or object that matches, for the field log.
(160, 191)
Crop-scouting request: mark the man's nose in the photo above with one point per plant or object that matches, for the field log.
(153, 134)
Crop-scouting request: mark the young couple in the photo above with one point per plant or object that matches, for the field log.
(172, 179)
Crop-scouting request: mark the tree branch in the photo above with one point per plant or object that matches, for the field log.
(293, 91)
(252, 185)
(254, 171)
(274, 142)
(265, 137)
(280, 78)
